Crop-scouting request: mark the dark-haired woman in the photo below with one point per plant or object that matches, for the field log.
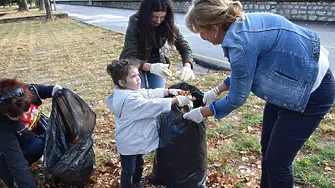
(148, 33)
(14, 108)
(19, 104)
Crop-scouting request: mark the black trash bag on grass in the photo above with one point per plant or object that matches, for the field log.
(181, 158)
(76, 165)
(69, 154)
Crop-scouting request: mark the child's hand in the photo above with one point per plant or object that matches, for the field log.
(183, 100)
(175, 92)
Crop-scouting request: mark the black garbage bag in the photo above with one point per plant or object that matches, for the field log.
(69, 151)
(181, 158)
(76, 165)
(42, 123)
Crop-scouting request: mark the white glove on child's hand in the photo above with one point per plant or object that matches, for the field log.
(183, 100)
(160, 69)
(174, 92)
(209, 97)
(187, 73)
(55, 89)
(194, 115)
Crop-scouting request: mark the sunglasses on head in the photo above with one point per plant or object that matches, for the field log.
(19, 92)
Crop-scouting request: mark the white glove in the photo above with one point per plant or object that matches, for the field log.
(160, 69)
(55, 89)
(210, 96)
(183, 100)
(187, 73)
(194, 115)
(175, 92)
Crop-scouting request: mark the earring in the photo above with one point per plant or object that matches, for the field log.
(214, 36)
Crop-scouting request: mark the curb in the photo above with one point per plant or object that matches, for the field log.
(210, 64)
(28, 18)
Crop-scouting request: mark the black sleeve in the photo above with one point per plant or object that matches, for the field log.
(44, 91)
(17, 165)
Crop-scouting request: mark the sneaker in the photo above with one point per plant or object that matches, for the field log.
(138, 185)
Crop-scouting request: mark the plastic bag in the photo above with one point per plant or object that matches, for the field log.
(69, 151)
(76, 165)
(181, 158)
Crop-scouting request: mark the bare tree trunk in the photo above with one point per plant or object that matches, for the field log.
(23, 5)
(48, 10)
(41, 5)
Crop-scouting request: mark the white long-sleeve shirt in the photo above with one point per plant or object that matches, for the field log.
(136, 113)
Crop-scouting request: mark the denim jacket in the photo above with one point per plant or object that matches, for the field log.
(272, 57)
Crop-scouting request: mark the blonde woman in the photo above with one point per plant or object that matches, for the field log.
(279, 62)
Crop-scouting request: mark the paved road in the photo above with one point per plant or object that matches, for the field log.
(117, 20)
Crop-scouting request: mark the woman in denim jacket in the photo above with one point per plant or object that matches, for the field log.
(279, 62)
(148, 35)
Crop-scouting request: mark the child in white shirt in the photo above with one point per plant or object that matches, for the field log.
(136, 111)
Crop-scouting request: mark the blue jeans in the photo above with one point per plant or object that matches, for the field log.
(284, 132)
(152, 81)
(34, 149)
(132, 168)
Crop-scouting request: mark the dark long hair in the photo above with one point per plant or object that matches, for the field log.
(15, 106)
(149, 35)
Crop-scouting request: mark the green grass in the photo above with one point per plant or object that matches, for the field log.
(312, 144)
(311, 169)
(245, 142)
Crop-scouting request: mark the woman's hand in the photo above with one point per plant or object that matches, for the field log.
(55, 89)
(210, 96)
(187, 72)
(194, 115)
(160, 69)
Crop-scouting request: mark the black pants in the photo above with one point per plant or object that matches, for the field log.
(5, 174)
(284, 132)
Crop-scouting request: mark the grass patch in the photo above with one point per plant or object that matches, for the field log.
(316, 170)
(245, 142)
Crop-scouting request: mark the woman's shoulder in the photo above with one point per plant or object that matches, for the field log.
(133, 18)
(7, 124)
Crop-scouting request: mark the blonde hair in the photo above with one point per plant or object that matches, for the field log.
(203, 14)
